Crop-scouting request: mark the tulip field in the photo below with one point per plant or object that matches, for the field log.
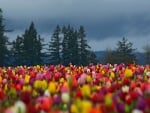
(97, 88)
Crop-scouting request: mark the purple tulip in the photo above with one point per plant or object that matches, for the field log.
(57, 99)
(141, 104)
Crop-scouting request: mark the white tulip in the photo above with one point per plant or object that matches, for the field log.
(19, 107)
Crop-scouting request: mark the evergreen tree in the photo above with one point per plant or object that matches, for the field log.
(3, 43)
(38, 50)
(124, 52)
(17, 51)
(74, 47)
(70, 46)
(65, 46)
(55, 46)
(84, 51)
(32, 46)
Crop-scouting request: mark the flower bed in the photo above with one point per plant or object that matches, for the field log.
(75, 89)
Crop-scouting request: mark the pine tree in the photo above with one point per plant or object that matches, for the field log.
(124, 52)
(17, 51)
(38, 50)
(65, 46)
(32, 46)
(55, 46)
(74, 47)
(70, 48)
(83, 47)
(3, 43)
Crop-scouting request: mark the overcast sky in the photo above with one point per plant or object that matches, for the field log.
(105, 21)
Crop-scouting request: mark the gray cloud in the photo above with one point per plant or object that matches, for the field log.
(103, 19)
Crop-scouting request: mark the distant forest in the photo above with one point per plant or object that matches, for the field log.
(67, 45)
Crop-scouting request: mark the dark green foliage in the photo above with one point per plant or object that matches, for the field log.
(32, 47)
(86, 56)
(83, 47)
(75, 49)
(55, 47)
(70, 46)
(3, 43)
(65, 46)
(123, 53)
(17, 51)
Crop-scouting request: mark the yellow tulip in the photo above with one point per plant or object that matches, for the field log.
(86, 90)
(112, 75)
(37, 84)
(88, 78)
(27, 88)
(61, 80)
(43, 84)
(52, 87)
(35, 93)
(86, 106)
(38, 66)
(74, 109)
(128, 73)
(0, 79)
(27, 79)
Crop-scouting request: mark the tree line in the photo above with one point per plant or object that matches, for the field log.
(67, 45)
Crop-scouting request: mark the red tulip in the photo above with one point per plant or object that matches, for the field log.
(128, 99)
(31, 108)
(74, 83)
(79, 94)
(25, 97)
(57, 76)
(134, 95)
(2, 95)
(18, 87)
(147, 102)
(46, 104)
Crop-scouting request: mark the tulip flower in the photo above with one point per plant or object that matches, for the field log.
(137, 111)
(52, 87)
(125, 89)
(2, 95)
(27, 78)
(57, 99)
(141, 104)
(128, 73)
(108, 100)
(47, 93)
(19, 107)
(86, 106)
(74, 109)
(95, 110)
(76, 89)
(86, 90)
(148, 73)
(65, 97)
(9, 110)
